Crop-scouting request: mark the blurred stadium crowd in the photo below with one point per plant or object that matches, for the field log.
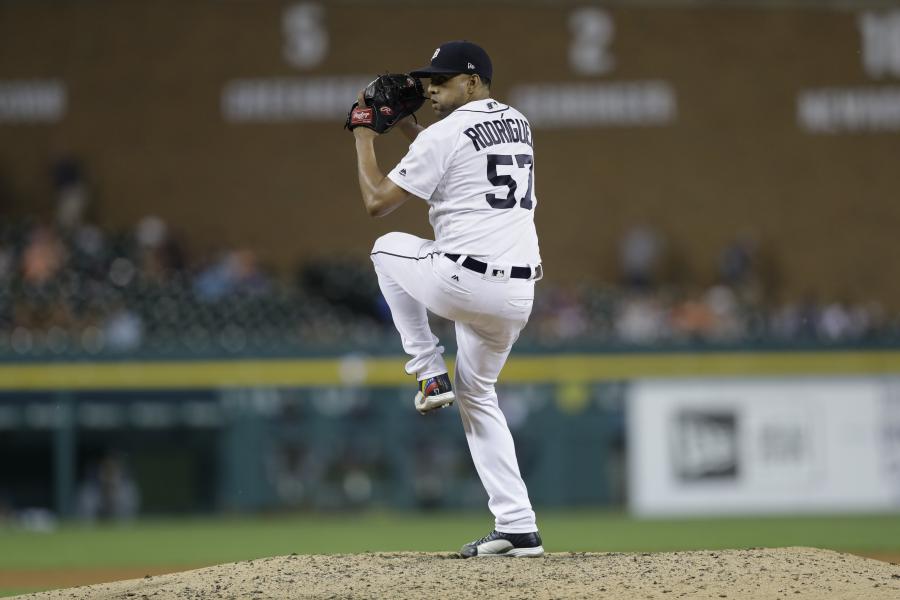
(70, 287)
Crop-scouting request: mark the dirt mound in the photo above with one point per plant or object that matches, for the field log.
(756, 573)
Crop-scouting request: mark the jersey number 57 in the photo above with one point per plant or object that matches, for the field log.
(522, 161)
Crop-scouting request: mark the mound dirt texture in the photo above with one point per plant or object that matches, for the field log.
(757, 573)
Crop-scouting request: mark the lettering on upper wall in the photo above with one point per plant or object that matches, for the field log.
(281, 99)
(874, 108)
(305, 45)
(626, 103)
(595, 103)
(32, 101)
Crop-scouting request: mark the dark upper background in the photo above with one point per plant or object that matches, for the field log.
(145, 83)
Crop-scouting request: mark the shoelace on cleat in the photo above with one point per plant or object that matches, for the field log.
(486, 538)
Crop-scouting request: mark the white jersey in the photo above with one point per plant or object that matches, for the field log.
(475, 168)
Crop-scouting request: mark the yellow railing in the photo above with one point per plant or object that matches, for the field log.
(370, 371)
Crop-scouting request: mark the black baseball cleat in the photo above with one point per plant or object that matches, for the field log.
(521, 545)
(434, 392)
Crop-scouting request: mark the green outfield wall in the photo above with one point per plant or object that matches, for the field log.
(337, 433)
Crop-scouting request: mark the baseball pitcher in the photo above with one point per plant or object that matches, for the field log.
(475, 170)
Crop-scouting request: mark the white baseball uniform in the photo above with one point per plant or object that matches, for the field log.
(475, 169)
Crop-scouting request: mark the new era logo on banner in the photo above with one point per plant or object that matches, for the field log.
(704, 445)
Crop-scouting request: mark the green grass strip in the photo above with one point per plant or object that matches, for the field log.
(196, 542)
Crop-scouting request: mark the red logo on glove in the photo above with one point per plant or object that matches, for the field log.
(386, 111)
(361, 116)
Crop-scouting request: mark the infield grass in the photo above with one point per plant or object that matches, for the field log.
(194, 542)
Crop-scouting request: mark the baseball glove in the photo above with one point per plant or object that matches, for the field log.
(388, 99)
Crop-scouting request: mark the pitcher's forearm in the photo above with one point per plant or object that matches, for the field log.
(380, 195)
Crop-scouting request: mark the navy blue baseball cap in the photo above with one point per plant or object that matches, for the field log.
(461, 56)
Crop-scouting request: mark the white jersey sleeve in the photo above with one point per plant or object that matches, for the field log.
(421, 170)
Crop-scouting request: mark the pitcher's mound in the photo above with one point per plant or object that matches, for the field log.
(788, 573)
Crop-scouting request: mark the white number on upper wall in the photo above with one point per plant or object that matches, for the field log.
(305, 36)
(592, 32)
(880, 43)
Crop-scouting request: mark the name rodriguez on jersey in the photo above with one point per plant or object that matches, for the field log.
(499, 131)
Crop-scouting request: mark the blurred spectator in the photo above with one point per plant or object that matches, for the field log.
(640, 256)
(692, 318)
(726, 313)
(95, 291)
(348, 284)
(66, 171)
(737, 262)
(43, 257)
(641, 319)
(7, 264)
(123, 329)
(237, 272)
(160, 254)
(795, 320)
(71, 191)
(296, 472)
(436, 460)
(567, 318)
(108, 492)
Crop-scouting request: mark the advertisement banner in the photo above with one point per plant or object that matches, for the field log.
(763, 446)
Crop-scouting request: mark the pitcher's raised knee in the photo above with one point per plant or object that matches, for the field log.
(383, 242)
(399, 244)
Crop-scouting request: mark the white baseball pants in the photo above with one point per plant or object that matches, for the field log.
(489, 314)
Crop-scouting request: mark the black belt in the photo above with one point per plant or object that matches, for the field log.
(476, 265)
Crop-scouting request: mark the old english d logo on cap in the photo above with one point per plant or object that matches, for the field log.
(460, 56)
